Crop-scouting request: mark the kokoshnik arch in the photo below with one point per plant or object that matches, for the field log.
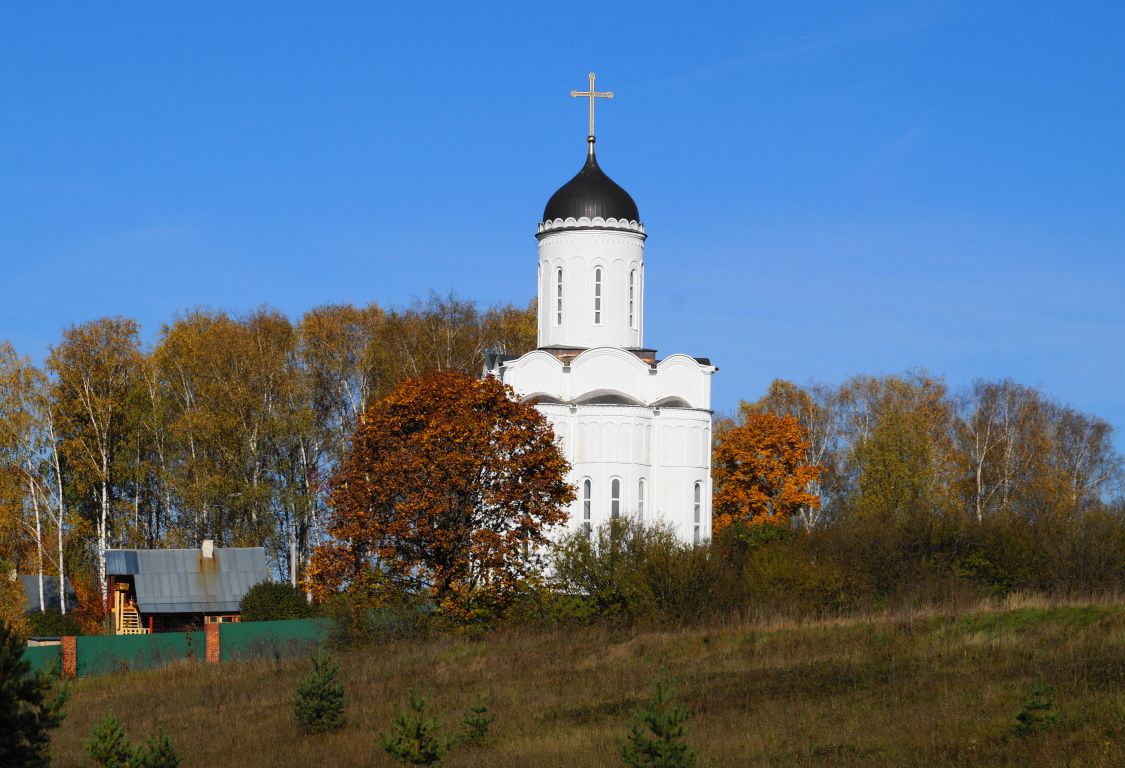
(636, 429)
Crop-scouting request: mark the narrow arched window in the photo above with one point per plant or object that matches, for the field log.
(598, 296)
(586, 506)
(641, 499)
(632, 298)
(697, 511)
(615, 498)
(558, 296)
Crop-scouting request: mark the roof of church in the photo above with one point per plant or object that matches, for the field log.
(591, 194)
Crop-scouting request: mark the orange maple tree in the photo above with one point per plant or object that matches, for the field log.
(760, 470)
(448, 491)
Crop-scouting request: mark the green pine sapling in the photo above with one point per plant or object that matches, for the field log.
(319, 702)
(657, 737)
(415, 737)
(475, 723)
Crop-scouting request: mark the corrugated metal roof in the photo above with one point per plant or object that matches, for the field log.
(183, 581)
(50, 593)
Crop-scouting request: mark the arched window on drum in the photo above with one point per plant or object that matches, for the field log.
(598, 296)
(633, 299)
(697, 512)
(587, 502)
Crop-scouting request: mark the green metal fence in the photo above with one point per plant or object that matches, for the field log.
(271, 639)
(104, 654)
(101, 654)
(43, 657)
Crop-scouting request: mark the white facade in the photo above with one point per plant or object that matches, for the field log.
(636, 430)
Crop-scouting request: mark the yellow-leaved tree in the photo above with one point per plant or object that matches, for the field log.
(760, 470)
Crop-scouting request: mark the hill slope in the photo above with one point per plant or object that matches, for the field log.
(880, 691)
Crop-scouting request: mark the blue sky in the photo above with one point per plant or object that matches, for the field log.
(829, 189)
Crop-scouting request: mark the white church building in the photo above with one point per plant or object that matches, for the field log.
(635, 428)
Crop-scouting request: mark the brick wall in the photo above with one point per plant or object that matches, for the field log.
(211, 633)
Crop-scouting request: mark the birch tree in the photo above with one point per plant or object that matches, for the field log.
(339, 370)
(1001, 434)
(901, 451)
(93, 367)
(17, 460)
(1082, 458)
(816, 409)
(28, 447)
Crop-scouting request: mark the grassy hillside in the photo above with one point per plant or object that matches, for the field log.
(879, 691)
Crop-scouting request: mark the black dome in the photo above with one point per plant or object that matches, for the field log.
(591, 194)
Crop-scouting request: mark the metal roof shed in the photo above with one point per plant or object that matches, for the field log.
(188, 580)
(50, 593)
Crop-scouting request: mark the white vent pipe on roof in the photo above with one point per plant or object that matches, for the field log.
(208, 548)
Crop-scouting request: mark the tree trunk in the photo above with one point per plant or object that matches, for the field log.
(38, 538)
(62, 516)
(103, 524)
(137, 495)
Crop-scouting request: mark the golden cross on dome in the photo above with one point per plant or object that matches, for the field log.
(592, 94)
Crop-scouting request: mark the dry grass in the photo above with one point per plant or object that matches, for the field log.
(921, 689)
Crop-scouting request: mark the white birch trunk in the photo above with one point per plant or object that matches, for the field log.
(38, 539)
(103, 524)
(61, 513)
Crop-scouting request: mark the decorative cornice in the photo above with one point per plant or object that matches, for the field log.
(616, 409)
(587, 237)
(595, 223)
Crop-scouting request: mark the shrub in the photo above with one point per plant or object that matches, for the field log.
(89, 610)
(52, 623)
(12, 599)
(780, 572)
(364, 615)
(544, 606)
(269, 601)
(632, 571)
(109, 747)
(415, 737)
(1092, 556)
(28, 710)
(319, 702)
(657, 736)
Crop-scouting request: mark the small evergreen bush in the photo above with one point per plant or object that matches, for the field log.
(158, 752)
(657, 737)
(109, 747)
(319, 702)
(415, 737)
(28, 709)
(475, 723)
(1038, 711)
(270, 601)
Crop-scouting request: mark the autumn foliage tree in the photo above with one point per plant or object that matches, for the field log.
(760, 470)
(94, 367)
(448, 491)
